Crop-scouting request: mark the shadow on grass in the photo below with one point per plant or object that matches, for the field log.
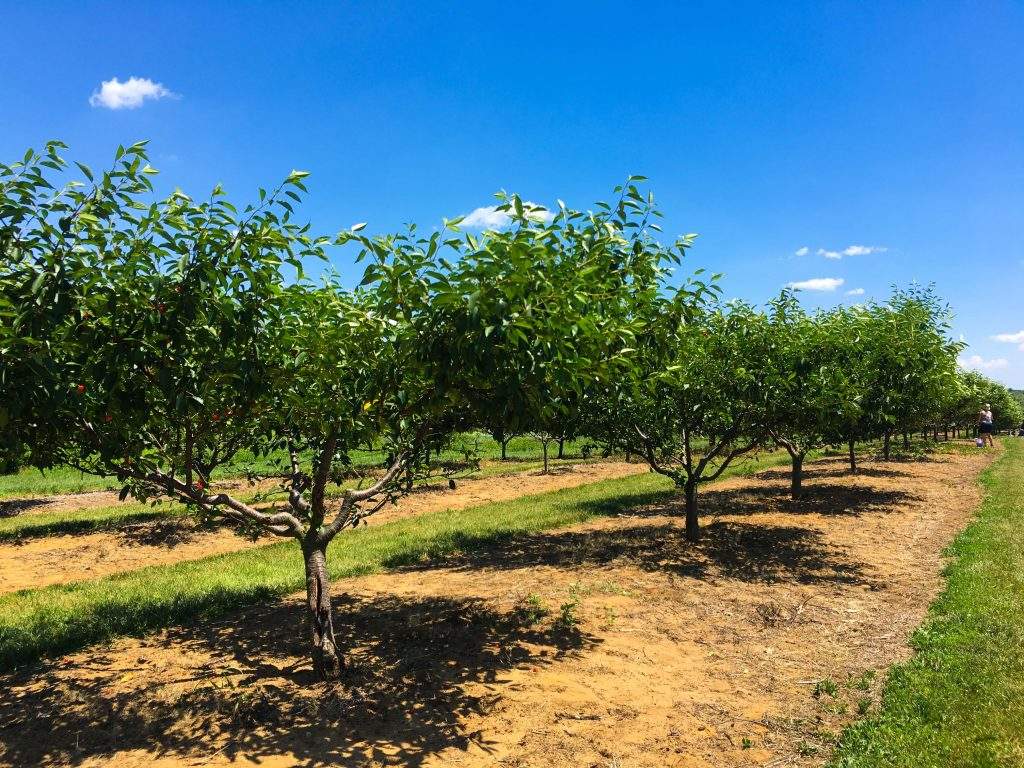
(15, 507)
(248, 688)
(82, 525)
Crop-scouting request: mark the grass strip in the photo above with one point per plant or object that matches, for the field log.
(959, 701)
(23, 527)
(45, 622)
(110, 518)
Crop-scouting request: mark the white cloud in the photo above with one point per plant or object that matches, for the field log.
(851, 250)
(489, 217)
(818, 284)
(1010, 338)
(113, 94)
(803, 251)
(855, 292)
(863, 250)
(978, 363)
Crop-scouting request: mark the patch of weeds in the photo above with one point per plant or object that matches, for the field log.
(806, 749)
(746, 743)
(531, 609)
(837, 708)
(862, 682)
(826, 686)
(827, 736)
(609, 587)
(568, 617)
(863, 705)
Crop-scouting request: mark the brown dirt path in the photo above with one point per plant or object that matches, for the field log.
(66, 558)
(654, 653)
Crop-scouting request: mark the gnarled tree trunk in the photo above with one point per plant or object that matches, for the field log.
(692, 520)
(853, 458)
(327, 660)
(886, 445)
(561, 449)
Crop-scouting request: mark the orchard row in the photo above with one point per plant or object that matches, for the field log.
(154, 339)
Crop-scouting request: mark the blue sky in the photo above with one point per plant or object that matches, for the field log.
(766, 127)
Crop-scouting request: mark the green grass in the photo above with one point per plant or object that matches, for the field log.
(57, 619)
(36, 525)
(959, 702)
(33, 483)
(83, 520)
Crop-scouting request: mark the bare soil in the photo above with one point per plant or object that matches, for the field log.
(613, 643)
(66, 558)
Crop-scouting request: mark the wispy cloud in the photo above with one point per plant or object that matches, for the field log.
(851, 250)
(863, 250)
(113, 94)
(1011, 338)
(978, 363)
(818, 284)
(489, 217)
(802, 251)
(855, 292)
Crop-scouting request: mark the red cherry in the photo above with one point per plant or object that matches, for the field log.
(108, 418)
(216, 416)
(80, 389)
(161, 308)
(200, 485)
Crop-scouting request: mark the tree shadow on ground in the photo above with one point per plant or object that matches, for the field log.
(746, 552)
(15, 507)
(820, 469)
(816, 498)
(402, 700)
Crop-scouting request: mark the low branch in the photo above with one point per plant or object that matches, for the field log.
(729, 459)
(225, 504)
(351, 497)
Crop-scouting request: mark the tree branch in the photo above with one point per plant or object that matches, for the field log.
(352, 497)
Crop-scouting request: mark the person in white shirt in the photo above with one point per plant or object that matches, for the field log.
(985, 427)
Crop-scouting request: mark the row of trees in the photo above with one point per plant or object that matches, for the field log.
(153, 339)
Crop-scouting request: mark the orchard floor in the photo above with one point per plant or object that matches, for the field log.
(754, 647)
(65, 558)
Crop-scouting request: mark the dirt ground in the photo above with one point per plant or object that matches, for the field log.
(66, 558)
(614, 643)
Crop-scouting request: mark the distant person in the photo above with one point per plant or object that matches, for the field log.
(985, 427)
(1020, 432)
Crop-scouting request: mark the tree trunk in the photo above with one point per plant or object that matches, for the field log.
(327, 661)
(886, 445)
(906, 441)
(797, 476)
(853, 459)
(544, 444)
(504, 448)
(561, 449)
(692, 521)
